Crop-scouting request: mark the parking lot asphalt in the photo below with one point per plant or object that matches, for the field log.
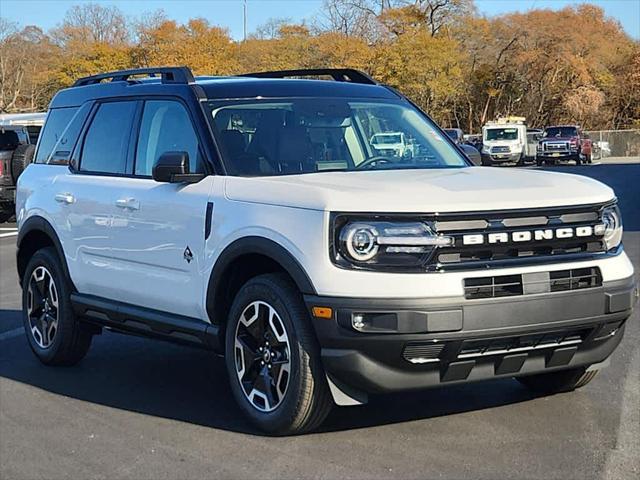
(135, 408)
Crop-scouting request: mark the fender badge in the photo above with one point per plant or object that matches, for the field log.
(188, 256)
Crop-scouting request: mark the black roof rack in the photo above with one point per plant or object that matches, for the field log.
(337, 74)
(167, 75)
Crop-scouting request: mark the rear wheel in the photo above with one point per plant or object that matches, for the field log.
(562, 381)
(273, 358)
(55, 335)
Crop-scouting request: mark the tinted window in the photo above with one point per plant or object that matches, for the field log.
(105, 146)
(165, 127)
(62, 150)
(9, 139)
(57, 121)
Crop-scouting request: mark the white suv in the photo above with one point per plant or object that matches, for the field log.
(253, 217)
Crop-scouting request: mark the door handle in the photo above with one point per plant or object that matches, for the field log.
(65, 198)
(130, 203)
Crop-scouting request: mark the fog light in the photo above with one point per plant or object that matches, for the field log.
(357, 321)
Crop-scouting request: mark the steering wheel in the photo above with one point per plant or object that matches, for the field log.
(370, 161)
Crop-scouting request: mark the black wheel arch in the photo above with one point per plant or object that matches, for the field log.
(36, 233)
(246, 258)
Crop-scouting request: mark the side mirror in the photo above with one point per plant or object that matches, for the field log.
(471, 153)
(173, 167)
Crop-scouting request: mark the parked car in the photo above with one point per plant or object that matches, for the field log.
(564, 143)
(255, 217)
(16, 152)
(455, 134)
(393, 144)
(472, 153)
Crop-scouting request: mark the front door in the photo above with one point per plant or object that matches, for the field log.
(159, 228)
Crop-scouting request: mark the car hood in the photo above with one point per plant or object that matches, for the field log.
(434, 190)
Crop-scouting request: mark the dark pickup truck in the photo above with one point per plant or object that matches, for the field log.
(16, 152)
(563, 143)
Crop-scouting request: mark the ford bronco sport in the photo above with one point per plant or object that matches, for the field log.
(253, 217)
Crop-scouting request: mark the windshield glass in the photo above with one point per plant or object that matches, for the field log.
(560, 132)
(501, 134)
(292, 136)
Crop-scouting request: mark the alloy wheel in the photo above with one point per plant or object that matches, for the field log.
(42, 307)
(262, 356)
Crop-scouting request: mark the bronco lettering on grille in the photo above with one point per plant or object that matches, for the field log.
(533, 235)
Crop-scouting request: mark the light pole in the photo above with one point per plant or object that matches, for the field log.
(244, 19)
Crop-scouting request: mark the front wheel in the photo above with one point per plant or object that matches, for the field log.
(55, 335)
(562, 381)
(273, 358)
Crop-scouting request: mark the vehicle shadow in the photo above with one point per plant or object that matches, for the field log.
(189, 385)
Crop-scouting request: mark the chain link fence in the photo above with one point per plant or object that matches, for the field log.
(613, 145)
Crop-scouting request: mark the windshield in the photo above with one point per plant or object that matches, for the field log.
(501, 134)
(556, 132)
(292, 136)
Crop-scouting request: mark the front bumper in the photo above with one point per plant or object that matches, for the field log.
(501, 157)
(428, 342)
(561, 155)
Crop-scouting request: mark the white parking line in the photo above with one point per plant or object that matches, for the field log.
(16, 332)
(9, 229)
(10, 234)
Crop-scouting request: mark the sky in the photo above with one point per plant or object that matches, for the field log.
(229, 13)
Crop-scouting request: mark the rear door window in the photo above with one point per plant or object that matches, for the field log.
(107, 140)
(56, 123)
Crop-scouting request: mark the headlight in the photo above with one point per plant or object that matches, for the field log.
(378, 244)
(486, 149)
(612, 226)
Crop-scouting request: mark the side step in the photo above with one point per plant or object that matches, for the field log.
(146, 322)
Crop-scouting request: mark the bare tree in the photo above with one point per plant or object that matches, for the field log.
(271, 28)
(93, 23)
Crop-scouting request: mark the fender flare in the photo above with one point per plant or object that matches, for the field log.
(262, 246)
(40, 224)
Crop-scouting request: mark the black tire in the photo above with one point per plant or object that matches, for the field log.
(306, 400)
(71, 339)
(22, 157)
(486, 162)
(556, 382)
(539, 161)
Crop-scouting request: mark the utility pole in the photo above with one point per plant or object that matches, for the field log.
(244, 19)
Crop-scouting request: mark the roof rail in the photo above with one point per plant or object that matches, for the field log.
(337, 74)
(167, 75)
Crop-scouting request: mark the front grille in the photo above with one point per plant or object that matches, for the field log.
(555, 147)
(504, 345)
(500, 149)
(482, 240)
(524, 284)
(444, 352)
(422, 352)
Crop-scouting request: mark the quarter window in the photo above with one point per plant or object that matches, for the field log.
(56, 123)
(165, 127)
(106, 142)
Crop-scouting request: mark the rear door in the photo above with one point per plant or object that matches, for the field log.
(159, 228)
(85, 196)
